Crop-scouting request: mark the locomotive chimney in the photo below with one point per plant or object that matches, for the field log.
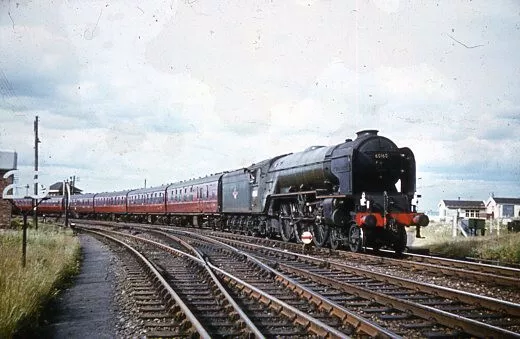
(367, 132)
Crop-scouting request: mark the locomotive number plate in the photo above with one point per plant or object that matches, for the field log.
(381, 156)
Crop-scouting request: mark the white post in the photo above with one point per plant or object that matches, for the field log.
(454, 227)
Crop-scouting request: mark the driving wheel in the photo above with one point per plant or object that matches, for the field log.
(320, 234)
(355, 238)
(286, 230)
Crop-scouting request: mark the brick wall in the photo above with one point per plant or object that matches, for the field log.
(5, 206)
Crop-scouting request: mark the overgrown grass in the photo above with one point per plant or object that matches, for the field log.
(504, 248)
(52, 258)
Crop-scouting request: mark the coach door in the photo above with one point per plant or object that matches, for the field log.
(200, 199)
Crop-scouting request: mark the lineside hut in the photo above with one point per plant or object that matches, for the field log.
(450, 209)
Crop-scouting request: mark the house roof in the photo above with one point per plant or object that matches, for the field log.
(512, 201)
(59, 187)
(478, 204)
(56, 186)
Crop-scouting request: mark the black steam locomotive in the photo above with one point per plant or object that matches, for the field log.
(344, 194)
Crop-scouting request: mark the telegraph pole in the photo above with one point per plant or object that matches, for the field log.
(36, 142)
(66, 200)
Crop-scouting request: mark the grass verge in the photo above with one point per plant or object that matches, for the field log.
(52, 258)
(504, 248)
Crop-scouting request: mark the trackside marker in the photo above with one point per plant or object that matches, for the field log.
(306, 237)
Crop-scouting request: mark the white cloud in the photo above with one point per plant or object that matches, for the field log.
(167, 90)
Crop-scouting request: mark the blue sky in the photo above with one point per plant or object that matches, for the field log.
(170, 90)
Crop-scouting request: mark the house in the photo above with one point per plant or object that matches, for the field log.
(57, 189)
(448, 209)
(503, 208)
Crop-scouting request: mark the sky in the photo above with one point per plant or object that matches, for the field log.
(163, 91)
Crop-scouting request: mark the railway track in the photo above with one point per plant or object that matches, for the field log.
(401, 306)
(469, 271)
(405, 303)
(158, 306)
(267, 310)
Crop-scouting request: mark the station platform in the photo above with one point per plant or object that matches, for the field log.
(85, 310)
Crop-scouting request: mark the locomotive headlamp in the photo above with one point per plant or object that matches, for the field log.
(363, 200)
(415, 201)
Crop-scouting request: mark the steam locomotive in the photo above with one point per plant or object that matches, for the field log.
(356, 194)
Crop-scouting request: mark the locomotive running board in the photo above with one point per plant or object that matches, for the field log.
(293, 194)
